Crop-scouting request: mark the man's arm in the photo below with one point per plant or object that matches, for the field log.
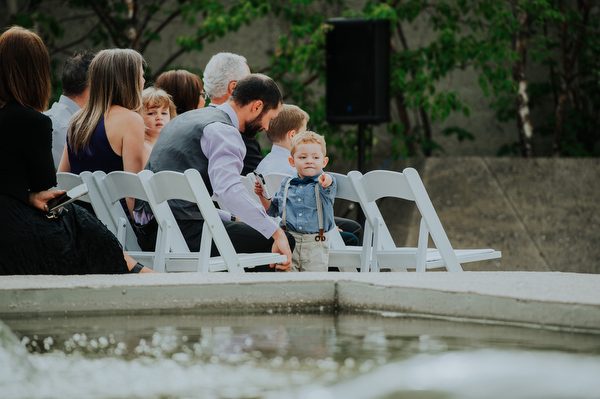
(223, 146)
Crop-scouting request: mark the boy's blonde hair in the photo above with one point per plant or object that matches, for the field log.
(306, 138)
(153, 97)
(291, 117)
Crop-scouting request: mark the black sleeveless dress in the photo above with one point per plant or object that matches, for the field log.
(31, 243)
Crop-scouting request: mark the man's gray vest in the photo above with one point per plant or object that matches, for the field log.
(178, 148)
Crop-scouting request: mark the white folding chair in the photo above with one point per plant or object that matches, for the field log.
(273, 181)
(67, 181)
(408, 186)
(189, 186)
(344, 257)
(108, 209)
(114, 187)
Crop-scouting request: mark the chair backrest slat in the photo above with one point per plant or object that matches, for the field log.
(67, 181)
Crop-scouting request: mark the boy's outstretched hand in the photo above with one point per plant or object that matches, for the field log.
(325, 179)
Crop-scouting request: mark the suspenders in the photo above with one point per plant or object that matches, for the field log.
(319, 236)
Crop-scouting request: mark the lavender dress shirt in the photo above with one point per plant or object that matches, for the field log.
(225, 149)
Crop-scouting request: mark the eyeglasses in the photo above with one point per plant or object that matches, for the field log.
(204, 95)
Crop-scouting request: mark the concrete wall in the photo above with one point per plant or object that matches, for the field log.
(543, 214)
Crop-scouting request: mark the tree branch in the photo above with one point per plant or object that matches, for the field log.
(64, 47)
(149, 16)
(159, 28)
(113, 30)
(173, 57)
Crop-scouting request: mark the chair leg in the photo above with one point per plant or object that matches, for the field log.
(121, 230)
(367, 251)
(163, 240)
(376, 244)
(205, 247)
(422, 246)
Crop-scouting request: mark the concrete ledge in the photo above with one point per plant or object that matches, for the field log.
(565, 301)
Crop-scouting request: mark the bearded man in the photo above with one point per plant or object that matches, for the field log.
(210, 141)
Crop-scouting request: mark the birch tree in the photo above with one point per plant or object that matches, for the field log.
(519, 75)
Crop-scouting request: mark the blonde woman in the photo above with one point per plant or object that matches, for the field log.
(108, 133)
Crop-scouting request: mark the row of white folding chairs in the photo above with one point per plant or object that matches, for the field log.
(379, 250)
(171, 252)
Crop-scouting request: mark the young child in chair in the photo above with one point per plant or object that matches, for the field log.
(292, 120)
(159, 109)
(305, 202)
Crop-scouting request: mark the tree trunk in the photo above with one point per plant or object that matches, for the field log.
(402, 110)
(403, 114)
(428, 137)
(568, 67)
(132, 32)
(523, 121)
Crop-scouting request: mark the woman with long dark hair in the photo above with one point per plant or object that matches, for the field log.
(33, 241)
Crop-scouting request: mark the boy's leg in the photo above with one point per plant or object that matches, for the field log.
(313, 256)
(297, 252)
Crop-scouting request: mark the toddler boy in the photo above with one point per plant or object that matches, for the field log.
(305, 202)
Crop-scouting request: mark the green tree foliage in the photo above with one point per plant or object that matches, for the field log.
(462, 42)
(476, 36)
(137, 24)
(563, 48)
(473, 35)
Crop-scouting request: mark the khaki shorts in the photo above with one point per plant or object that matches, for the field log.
(310, 255)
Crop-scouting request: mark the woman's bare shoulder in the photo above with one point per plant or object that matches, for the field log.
(123, 117)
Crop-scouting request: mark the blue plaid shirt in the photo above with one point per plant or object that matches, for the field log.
(301, 208)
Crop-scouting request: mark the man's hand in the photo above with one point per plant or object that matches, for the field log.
(40, 199)
(325, 179)
(282, 246)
